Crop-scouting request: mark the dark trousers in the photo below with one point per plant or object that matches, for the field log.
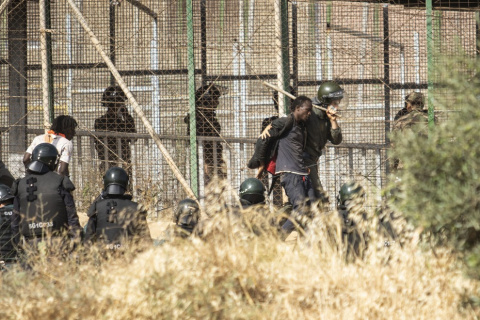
(300, 193)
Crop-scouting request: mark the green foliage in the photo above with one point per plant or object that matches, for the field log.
(438, 188)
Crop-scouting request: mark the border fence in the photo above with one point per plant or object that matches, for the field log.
(201, 64)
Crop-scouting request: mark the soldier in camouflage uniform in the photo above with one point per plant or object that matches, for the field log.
(413, 114)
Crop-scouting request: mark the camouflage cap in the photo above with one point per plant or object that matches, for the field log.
(417, 99)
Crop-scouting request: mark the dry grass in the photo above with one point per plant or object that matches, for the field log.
(238, 274)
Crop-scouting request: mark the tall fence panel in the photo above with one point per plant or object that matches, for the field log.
(202, 64)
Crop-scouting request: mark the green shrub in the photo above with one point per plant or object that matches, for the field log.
(438, 188)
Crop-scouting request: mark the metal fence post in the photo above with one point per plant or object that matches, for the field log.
(431, 115)
(191, 100)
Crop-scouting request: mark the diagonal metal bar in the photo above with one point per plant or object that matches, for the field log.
(4, 5)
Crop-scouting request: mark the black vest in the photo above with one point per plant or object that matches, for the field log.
(6, 247)
(115, 220)
(42, 209)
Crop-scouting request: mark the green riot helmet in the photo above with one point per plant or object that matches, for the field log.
(113, 94)
(44, 158)
(5, 193)
(350, 191)
(328, 92)
(187, 214)
(115, 181)
(252, 190)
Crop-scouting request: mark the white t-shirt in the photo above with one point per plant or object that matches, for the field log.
(63, 145)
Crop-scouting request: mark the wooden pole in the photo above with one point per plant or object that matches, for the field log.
(288, 94)
(4, 6)
(132, 100)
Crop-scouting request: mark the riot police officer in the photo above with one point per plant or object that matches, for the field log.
(7, 252)
(351, 199)
(251, 192)
(6, 177)
(114, 219)
(44, 208)
(186, 217)
(322, 127)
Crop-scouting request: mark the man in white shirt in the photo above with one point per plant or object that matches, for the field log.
(60, 135)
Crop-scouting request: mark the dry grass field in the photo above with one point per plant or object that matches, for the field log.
(243, 271)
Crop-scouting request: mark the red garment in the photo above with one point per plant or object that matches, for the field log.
(56, 133)
(272, 164)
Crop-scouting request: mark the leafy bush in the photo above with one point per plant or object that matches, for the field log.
(438, 188)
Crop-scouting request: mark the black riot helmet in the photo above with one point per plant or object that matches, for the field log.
(329, 91)
(187, 214)
(350, 191)
(113, 94)
(44, 158)
(252, 190)
(115, 181)
(5, 193)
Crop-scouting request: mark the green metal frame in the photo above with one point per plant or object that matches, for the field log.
(191, 100)
(430, 64)
(285, 53)
(48, 35)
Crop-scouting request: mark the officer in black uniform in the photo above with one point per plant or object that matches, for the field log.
(351, 199)
(43, 206)
(114, 219)
(7, 252)
(6, 177)
(251, 192)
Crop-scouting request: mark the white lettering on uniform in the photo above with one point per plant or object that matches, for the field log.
(38, 225)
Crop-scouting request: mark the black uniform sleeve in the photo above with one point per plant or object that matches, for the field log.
(6, 177)
(15, 223)
(140, 227)
(91, 229)
(73, 221)
(68, 184)
(335, 135)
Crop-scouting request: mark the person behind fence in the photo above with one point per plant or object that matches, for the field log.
(7, 251)
(286, 145)
(114, 220)
(251, 192)
(60, 135)
(114, 150)
(413, 114)
(321, 127)
(274, 185)
(6, 177)
(350, 206)
(44, 208)
(207, 125)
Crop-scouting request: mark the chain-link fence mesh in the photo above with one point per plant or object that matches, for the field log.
(209, 59)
